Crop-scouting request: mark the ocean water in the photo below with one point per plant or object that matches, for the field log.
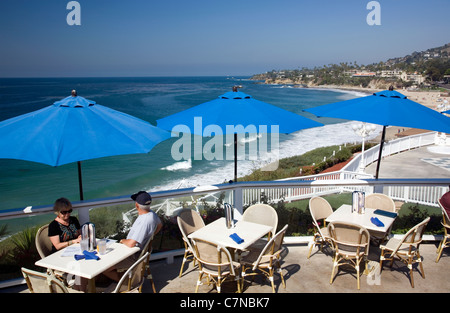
(25, 183)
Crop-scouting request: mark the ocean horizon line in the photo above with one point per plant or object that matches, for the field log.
(112, 77)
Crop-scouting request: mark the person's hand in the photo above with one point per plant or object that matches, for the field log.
(77, 240)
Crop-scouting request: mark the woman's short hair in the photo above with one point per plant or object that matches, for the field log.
(62, 204)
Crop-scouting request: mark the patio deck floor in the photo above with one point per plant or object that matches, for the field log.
(312, 275)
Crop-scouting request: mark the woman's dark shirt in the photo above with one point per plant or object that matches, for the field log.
(64, 232)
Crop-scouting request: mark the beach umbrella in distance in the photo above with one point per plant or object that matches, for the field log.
(386, 108)
(236, 108)
(75, 129)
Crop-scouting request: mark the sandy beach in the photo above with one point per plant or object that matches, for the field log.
(430, 99)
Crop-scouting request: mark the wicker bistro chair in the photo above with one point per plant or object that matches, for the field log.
(38, 282)
(267, 260)
(445, 242)
(133, 279)
(379, 201)
(188, 221)
(406, 249)
(262, 214)
(216, 263)
(43, 243)
(351, 243)
(320, 209)
(147, 251)
(44, 248)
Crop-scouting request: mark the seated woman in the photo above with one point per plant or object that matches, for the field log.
(64, 230)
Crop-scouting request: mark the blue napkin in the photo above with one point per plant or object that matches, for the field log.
(236, 238)
(386, 213)
(90, 255)
(376, 221)
(79, 256)
(87, 255)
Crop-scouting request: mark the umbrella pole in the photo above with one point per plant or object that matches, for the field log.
(235, 157)
(383, 135)
(80, 181)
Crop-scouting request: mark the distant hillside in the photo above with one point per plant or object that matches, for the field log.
(421, 57)
(421, 69)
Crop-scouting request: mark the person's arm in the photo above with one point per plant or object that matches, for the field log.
(133, 243)
(129, 242)
(158, 228)
(60, 245)
(54, 233)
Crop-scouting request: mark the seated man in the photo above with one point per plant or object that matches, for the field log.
(144, 228)
(146, 225)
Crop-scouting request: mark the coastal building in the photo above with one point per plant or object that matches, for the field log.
(412, 77)
(365, 74)
(390, 73)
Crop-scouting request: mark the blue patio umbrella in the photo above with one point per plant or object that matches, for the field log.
(386, 108)
(73, 130)
(233, 109)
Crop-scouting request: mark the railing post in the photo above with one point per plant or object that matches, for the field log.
(238, 199)
(406, 195)
(83, 215)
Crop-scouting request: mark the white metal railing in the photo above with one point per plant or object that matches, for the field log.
(299, 193)
(415, 190)
(417, 194)
(390, 148)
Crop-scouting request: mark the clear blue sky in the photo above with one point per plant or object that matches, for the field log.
(209, 37)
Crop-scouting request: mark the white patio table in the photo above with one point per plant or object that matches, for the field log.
(64, 261)
(344, 214)
(217, 232)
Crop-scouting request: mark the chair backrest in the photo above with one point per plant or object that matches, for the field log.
(212, 256)
(261, 213)
(38, 282)
(272, 248)
(43, 243)
(379, 201)
(147, 250)
(133, 277)
(320, 209)
(147, 247)
(189, 221)
(445, 218)
(413, 237)
(349, 237)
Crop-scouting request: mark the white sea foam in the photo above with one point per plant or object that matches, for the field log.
(183, 165)
(346, 94)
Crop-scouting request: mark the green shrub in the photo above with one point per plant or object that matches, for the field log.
(290, 167)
